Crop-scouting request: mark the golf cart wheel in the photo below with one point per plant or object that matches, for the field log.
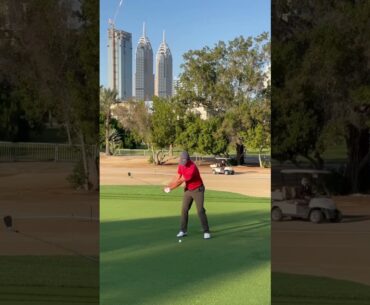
(214, 172)
(316, 216)
(227, 173)
(338, 217)
(276, 214)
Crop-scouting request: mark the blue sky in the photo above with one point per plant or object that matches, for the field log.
(189, 24)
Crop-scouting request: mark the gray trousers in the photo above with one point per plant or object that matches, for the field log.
(196, 195)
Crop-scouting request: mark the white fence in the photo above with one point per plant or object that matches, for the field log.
(140, 152)
(132, 152)
(10, 151)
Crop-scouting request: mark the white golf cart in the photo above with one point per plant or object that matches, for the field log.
(304, 196)
(222, 166)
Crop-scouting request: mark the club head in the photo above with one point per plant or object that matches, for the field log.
(129, 174)
(8, 221)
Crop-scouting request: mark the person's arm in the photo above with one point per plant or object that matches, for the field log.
(179, 179)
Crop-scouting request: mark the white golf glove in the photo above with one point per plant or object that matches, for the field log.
(167, 189)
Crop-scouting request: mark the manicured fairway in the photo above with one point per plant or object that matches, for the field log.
(303, 289)
(45, 280)
(142, 262)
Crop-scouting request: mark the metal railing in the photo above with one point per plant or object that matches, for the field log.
(10, 151)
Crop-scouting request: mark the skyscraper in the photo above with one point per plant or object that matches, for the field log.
(120, 62)
(144, 78)
(163, 76)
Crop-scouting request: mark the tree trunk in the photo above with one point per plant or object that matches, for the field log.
(357, 173)
(84, 160)
(107, 120)
(50, 120)
(66, 115)
(240, 154)
(319, 160)
(259, 157)
(93, 169)
(68, 130)
(171, 150)
(313, 161)
(154, 155)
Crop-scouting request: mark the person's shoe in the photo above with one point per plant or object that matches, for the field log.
(207, 235)
(181, 234)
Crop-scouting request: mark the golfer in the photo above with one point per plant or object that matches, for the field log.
(306, 189)
(194, 191)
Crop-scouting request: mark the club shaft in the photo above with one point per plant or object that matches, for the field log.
(141, 180)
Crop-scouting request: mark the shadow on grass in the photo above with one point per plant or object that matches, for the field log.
(48, 280)
(293, 289)
(142, 260)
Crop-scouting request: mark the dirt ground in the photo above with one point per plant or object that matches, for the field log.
(46, 209)
(252, 181)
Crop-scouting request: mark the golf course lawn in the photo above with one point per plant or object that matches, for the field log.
(143, 263)
(290, 289)
(45, 280)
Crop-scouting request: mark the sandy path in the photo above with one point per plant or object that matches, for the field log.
(252, 181)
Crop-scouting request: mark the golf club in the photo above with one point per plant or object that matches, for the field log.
(144, 181)
(8, 221)
(141, 180)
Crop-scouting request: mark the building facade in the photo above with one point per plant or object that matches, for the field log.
(120, 62)
(163, 76)
(144, 78)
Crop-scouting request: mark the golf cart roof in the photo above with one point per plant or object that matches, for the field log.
(304, 171)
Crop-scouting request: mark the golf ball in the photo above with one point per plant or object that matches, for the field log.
(180, 240)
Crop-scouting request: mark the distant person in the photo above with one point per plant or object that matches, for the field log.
(306, 188)
(194, 190)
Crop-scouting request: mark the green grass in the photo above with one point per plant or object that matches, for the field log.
(289, 289)
(45, 280)
(142, 262)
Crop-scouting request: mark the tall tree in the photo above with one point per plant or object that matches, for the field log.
(222, 78)
(108, 98)
(213, 139)
(164, 121)
(137, 118)
(321, 84)
(52, 64)
(83, 86)
(258, 133)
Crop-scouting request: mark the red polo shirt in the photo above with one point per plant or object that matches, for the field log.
(191, 175)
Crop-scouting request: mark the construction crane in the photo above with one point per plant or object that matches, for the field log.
(112, 22)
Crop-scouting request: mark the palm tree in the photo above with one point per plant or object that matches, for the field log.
(108, 97)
